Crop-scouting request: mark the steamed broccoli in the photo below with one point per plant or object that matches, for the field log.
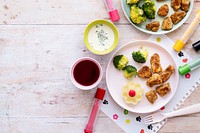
(149, 9)
(120, 61)
(130, 2)
(137, 15)
(130, 71)
(140, 56)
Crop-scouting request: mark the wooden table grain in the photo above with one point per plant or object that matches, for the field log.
(39, 40)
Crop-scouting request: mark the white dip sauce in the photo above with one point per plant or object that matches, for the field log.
(101, 37)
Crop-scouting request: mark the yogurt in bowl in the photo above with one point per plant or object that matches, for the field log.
(101, 37)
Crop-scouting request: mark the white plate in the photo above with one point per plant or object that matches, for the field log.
(115, 79)
(142, 26)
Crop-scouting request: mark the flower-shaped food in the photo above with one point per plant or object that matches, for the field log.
(132, 93)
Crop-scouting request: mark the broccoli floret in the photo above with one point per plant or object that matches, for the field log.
(137, 15)
(130, 71)
(140, 56)
(130, 2)
(149, 9)
(120, 61)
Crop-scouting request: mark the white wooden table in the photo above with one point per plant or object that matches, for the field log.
(39, 40)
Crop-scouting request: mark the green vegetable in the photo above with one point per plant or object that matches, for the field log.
(140, 56)
(120, 61)
(149, 9)
(130, 2)
(137, 15)
(130, 71)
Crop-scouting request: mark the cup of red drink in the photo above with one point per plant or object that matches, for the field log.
(86, 73)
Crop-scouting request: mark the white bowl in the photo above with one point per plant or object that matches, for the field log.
(84, 87)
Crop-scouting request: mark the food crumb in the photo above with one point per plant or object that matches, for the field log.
(6, 7)
(5, 22)
(158, 39)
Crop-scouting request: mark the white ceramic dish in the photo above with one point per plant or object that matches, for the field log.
(142, 26)
(115, 79)
(84, 87)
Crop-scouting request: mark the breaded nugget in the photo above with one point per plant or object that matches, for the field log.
(176, 4)
(163, 89)
(155, 79)
(163, 10)
(165, 75)
(167, 23)
(153, 26)
(185, 5)
(145, 72)
(178, 16)
(151, 96)
(155, 63)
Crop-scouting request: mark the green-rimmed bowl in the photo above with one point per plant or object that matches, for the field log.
(110, 25)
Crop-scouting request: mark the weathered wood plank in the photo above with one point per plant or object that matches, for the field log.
(55, 125)
(60, 11)
(63, 125)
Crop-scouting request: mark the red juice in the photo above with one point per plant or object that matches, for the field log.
(86, 72)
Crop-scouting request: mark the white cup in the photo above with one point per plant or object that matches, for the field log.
(75, 71)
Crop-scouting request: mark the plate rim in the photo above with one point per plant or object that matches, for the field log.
(132, 43)
(157, 33)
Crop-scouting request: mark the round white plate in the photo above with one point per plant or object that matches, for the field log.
(115, 79)
(142, 26)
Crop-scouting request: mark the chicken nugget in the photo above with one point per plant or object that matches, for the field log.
(151, 96)
(167, 23)
(178, 16)
(165, 75)
(145, 72)
(185, 5)
(153, 26)
(155, 63)
(163, 10)
(163, 89)
(176, 4)
(155, 79)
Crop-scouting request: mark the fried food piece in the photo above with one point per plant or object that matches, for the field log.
(176, 4)
(163, 89)
(155, 79)
(165, 75)
(145, 72)
(167, 23)
(163, 10)
(178, 16)
(153, 26)
(155, 63)
(185, 5)
(151, 96)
